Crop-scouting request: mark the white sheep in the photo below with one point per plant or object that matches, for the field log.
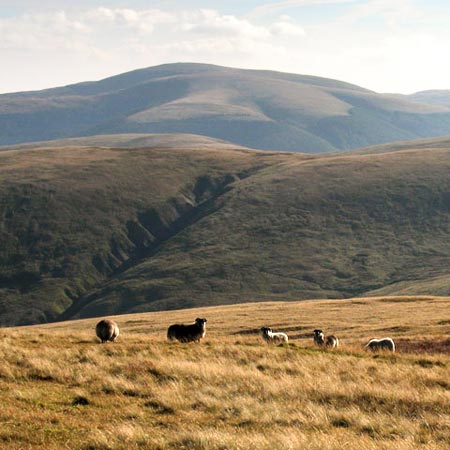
(381, 344)
(272, 337)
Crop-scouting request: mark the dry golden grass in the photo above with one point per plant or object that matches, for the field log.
(61, 389)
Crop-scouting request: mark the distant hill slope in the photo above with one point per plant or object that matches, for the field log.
(91, 231)
(259, 109)
(128, 141)
(433, 97)
(440, 143)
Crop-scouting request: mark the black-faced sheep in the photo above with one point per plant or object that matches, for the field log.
(107, 330)
(381, 344)
(330, 341)
(272, 337)
(187, 333)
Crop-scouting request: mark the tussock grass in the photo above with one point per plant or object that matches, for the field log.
(60, 388)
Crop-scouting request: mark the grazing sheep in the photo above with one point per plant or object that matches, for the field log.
(107, 330)
(273, 338)
(381, 344)
(330, 341)
(187, 333)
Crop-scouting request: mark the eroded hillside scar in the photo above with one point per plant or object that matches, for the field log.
(152, 228)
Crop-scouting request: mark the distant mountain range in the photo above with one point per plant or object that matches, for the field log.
(252, 108)
(89, 229)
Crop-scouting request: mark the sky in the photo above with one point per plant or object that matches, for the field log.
(399, 46)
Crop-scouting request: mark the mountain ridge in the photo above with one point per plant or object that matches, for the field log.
(251, 108)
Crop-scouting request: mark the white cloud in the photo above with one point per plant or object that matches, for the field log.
(286, 28)
(108, 30)
(40, 31)
(270, 8)
(392, 12)
(211, 23)
(141, 20)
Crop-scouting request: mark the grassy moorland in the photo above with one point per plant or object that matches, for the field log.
(88, 231)
(60, 388)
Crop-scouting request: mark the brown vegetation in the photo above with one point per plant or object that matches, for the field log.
(63, 390)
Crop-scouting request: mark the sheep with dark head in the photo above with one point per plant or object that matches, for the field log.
(187, 333)
(329, 341)
(381, 344)
(273, 337)
(107, 330)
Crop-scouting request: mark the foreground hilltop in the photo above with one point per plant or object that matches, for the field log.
(252, 108)
(88, 231)
(61, 388)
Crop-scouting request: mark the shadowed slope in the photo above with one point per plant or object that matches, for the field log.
(302, 229)
(90, 231)
(73, 216)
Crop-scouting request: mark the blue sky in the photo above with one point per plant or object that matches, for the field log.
(383, 45)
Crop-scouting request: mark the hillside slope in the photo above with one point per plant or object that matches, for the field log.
(88, 231)
(128, 140)
(72, 216)
(259, 109)
(438, 97)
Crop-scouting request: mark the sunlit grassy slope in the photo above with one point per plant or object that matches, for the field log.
(61, 388)
(129, 140)
(88, 231)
